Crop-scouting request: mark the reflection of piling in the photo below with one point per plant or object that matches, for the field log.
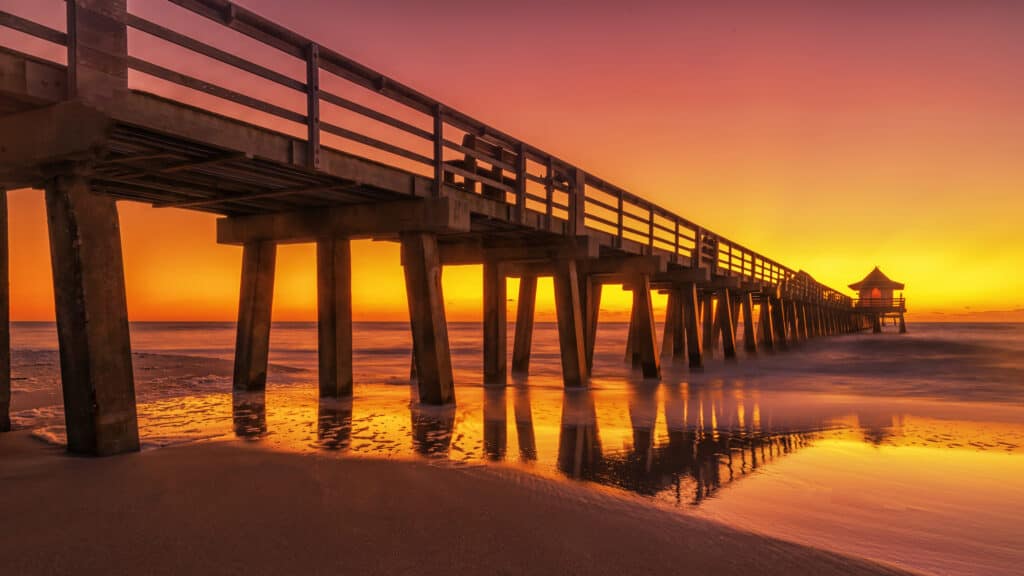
(524, 424)
(579, 446)
(334, 423)
(249, 414)
(495, 423)
(432, 429)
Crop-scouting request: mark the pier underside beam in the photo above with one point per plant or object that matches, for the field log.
(5, 320)
(646, 343)
(334, 315)
(256, 298)
(570, 324)
(92, 318)
(495, 324)
(357, 220)
(422, 265)
(524, 325)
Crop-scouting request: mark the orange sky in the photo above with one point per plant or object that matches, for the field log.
(831, 136)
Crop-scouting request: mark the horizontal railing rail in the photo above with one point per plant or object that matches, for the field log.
(335, 102)
(894, 303)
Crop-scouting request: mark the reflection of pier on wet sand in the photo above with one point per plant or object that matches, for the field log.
(409, 169)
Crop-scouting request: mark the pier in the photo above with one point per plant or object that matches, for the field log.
(403, 168)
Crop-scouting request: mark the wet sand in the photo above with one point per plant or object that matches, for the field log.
(227, 508)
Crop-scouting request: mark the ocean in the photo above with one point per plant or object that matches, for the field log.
(903, 449)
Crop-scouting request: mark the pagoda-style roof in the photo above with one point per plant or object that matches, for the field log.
(876, 279)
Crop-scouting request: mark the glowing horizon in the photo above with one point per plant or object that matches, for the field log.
(832, 138)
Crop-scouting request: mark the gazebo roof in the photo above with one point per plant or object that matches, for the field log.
(876, 279)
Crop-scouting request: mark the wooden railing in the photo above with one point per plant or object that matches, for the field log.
(330, 100)
(881, 303)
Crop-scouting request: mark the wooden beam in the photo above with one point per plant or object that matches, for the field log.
(708, 318)
(354, 220)
(647, 336)
(252, 344)
(334, 313)
(264, 195)
(593, 307)
(749, 331)
(495, 324)
(673, 342)
(726, 325)
(766, 326)
(5, 320)
(544, 255)
(422, 266)
(92, 319)
(691, 321)
(570, 324)
(524, 325)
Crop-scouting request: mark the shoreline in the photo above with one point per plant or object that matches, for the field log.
(233, 507)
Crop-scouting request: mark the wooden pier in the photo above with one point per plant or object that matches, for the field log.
(403, 168)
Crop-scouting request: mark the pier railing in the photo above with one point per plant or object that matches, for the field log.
(289, 83)
(881, 304)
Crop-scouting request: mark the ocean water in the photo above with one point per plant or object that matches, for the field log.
(904, 449)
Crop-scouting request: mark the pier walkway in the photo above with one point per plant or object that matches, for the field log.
(220, 110)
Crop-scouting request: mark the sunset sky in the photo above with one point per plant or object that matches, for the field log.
(830, 136)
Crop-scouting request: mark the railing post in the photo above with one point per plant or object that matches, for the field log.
(97, 50)
(675, 251)
(620, 211)
(697, 257)
(549, 191)
(313, 106)
(650, 229)
(577, 203)
(520, 183)
(438, 150)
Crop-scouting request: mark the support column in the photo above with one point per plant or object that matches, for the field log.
(570, 324)
(593, 304)
(903, 325)
(708, 318)
(334, 315)
(495, 324)
(691, 322)
(767, 323)
(805, 332)
(647, 337)
(779, 322)
(632, 350)
(725, 324)
(422, 264)
(92, 319)
(794, 321)
(5, 321)
(876, 325)
(252, 343)
(524, 325)
(749, 332)
(673, 343)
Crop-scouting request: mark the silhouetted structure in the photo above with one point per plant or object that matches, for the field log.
(877, 302)
(403, 167)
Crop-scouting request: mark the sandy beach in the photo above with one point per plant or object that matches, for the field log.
(229, 508)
